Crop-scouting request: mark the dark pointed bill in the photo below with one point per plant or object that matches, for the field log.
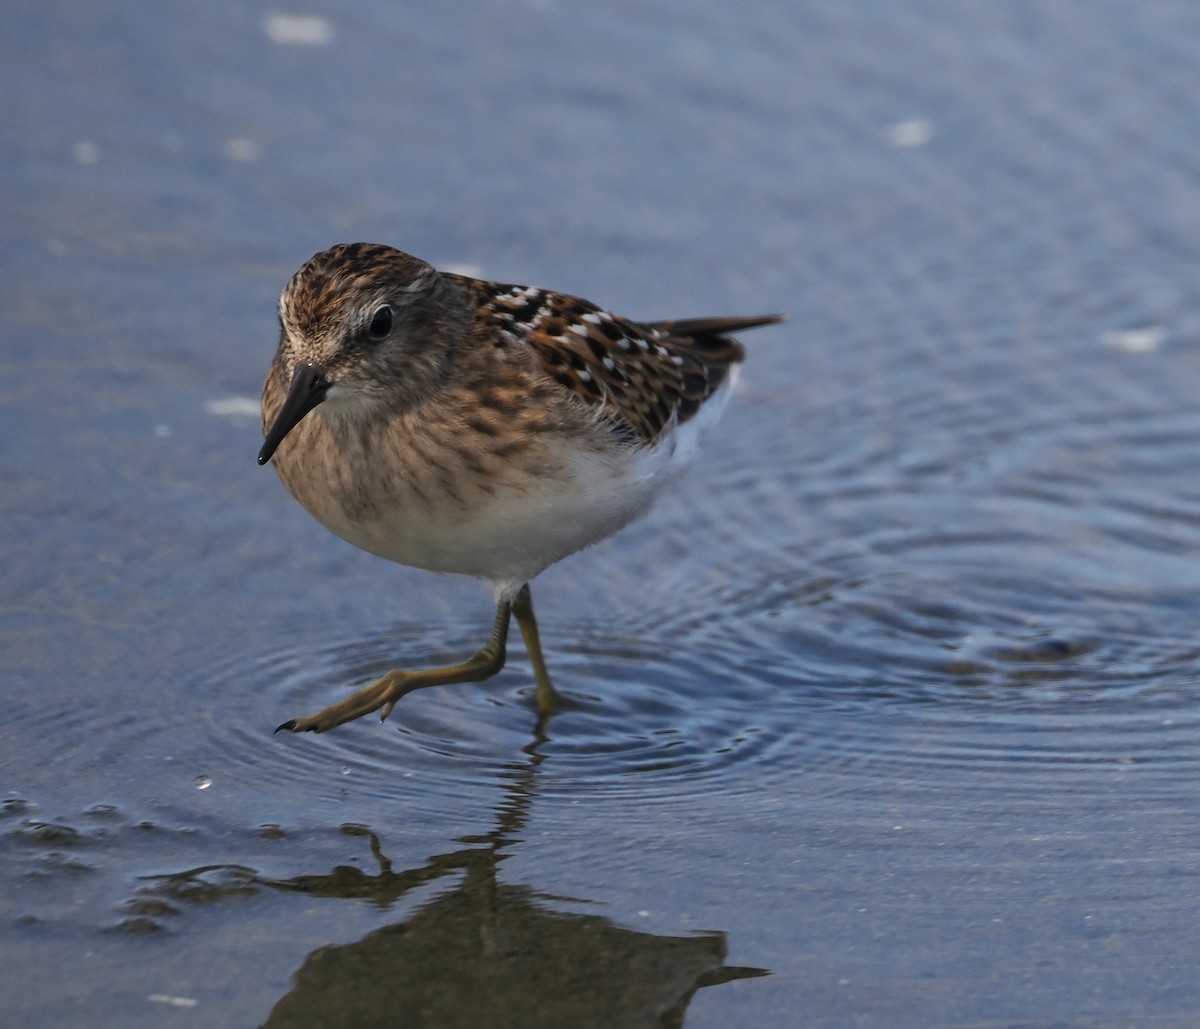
(308, 389)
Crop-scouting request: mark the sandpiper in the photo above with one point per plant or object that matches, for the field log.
(458, 425)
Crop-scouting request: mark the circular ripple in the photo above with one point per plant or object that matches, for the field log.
(642, 717)
(938, 659)
(998, 589)
(952, 673)
(916, 625)
(649, 713)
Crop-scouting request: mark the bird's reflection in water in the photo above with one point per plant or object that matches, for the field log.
(484, 954)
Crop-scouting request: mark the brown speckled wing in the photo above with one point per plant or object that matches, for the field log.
(644, 377)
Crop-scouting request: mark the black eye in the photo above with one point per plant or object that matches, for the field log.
(381, 323)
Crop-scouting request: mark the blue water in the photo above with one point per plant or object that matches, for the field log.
(895, 698)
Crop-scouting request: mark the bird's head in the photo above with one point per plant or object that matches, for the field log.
(361, 325)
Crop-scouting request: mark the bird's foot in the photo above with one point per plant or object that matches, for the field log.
(380, 694)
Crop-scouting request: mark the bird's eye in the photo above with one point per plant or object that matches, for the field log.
(381, 323)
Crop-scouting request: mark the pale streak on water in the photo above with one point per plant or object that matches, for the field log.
(895, 698)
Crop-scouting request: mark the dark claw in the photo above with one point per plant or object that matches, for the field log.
(289, 725)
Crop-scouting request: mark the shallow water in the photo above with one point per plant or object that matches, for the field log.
(887, 715)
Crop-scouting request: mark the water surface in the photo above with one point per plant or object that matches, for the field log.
(887, 715)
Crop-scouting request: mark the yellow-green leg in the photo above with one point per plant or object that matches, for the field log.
(548, 698)
(387, 691)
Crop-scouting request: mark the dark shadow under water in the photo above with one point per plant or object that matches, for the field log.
(481, 952)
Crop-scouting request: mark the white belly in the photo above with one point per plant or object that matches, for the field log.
(516, 533)
(505, 527)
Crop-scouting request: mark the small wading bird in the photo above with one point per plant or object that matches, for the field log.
(458, 425)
